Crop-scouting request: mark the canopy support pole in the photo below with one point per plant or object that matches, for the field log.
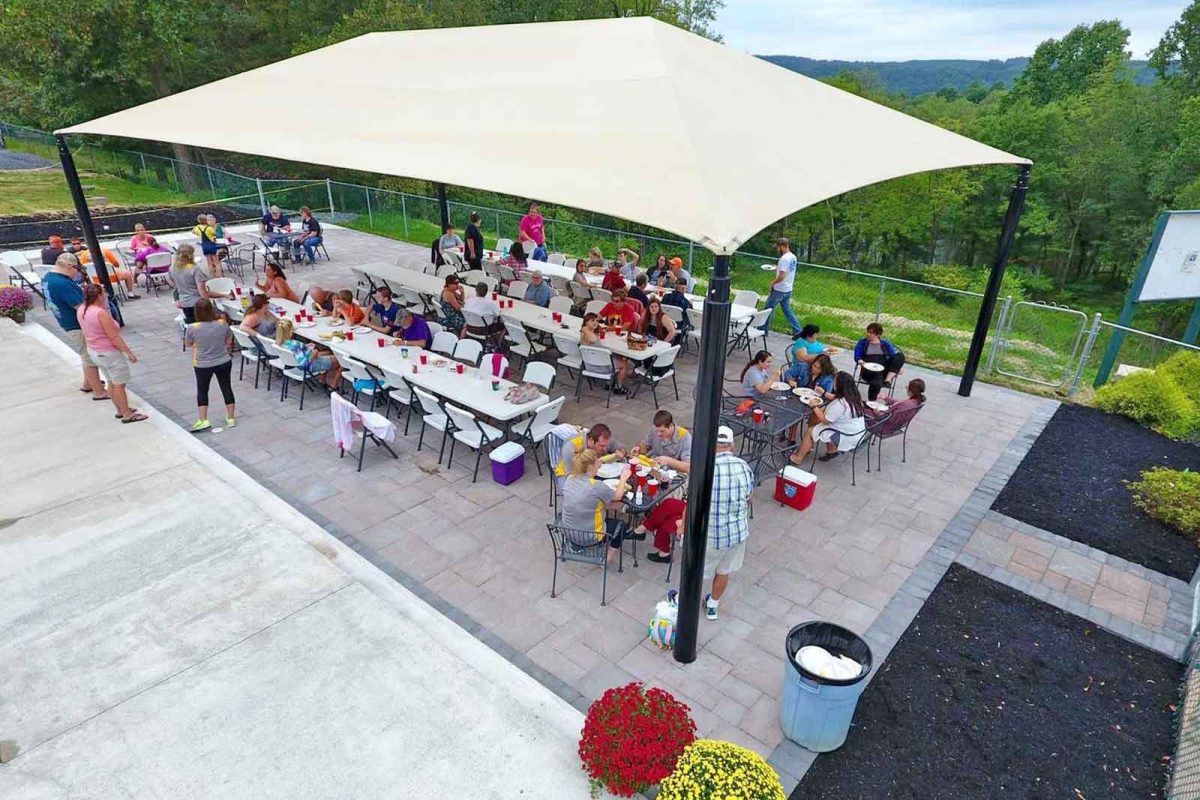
(713, 335)
(85, 214)
(443, 206)
(1016, 203)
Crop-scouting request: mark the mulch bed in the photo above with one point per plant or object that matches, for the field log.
(1072, 483)
(993, 694)
(28, 229)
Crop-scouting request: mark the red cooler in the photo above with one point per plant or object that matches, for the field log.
(795, 488)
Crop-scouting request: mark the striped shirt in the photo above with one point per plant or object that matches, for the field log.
(728, 517)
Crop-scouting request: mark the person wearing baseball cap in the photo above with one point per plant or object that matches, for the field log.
(728, 519)
(781, 287)
(681, 274)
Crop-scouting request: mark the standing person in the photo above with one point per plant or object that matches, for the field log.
(473, 246)
(64, 296)
(449, 240)
(210, 339)
(728, 519)
(532, 233)
(310, 239)
(189, 280)
(207, 234)
(108, 350)
(781, 287)
(272, 224)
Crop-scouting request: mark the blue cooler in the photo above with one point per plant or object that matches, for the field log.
(815, 712)
(508, 463)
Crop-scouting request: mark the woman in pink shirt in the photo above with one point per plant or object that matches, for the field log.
(107, 349)
(532, 233)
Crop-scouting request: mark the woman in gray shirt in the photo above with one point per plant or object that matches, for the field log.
(188, 280)
(210, 339)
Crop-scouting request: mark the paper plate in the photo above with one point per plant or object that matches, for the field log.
(306, 325)
(612, 470)
(803, 391)
(768, 267)
(780, 386)
(871, 366)
(361, 329)
(875, 404)
(333, 323)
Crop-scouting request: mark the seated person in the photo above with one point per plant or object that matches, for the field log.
(900, 412)
(275, 284)
(345, 308)
(818, 376)
(115, 271)
(619, 314)
(598, 439)
(665, 521)
(595, 258)
(585, 502)
(627, 261)
(516, 260)
(310, 239)
(485, 307)
(384, 313)
(680, 274)
(323, 299)
(667, 443)
(613, 279)
(449, 240)
(657, 324)
(873, 348)
(805, 346)
(638, 290)
(453, 299)
(141, 238)
(317, 360)
(258, 317)
(149, 248)
(414, 331)
(272, 224)
(678, 297)
(55, 248)
(839, 423)
(538, 292)
(589, 330)
(581, 273)
(756, 377)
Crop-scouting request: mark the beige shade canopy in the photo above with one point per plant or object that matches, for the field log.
(629, 117)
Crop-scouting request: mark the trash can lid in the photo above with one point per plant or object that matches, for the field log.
(506, 453)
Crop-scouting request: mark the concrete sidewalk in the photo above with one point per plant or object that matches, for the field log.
(171, 629)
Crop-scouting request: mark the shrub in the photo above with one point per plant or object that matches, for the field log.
(948, 275)
(1184, 369)
(1152, 399)
(1171, 496)
(633, 738)
(712, 770)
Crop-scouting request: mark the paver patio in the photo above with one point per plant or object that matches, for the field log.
(480, 551)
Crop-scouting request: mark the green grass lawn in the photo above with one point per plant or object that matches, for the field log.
(36, 191)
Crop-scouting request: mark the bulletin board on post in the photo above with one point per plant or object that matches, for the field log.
(1170, 270)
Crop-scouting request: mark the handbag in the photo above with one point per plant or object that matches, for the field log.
(525, 393)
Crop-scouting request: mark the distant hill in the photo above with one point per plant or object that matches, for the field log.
(928, 75)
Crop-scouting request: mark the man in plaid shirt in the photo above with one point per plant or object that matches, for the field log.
(728, 519)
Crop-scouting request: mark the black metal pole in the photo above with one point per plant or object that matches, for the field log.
(1016, 202)
(714, 332)
(443, 206)
(85, 215)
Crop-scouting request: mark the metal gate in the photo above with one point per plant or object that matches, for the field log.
(1038, 342)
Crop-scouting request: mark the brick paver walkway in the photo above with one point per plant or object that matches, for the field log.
(481, 553)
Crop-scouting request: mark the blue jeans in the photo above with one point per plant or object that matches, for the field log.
(310, 247)
(784, 301)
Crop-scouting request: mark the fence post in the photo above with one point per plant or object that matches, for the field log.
(1001, 319)
(404, 212)
(554, 235)
(212, 186)
(1083, 358)
(691, 257)
(879, 300)
(142, 156)
(370, 213)
(329, 191)
(262, 198)
(497, 224)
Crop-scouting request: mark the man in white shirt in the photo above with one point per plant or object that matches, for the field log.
(781, 287)
(482, 305)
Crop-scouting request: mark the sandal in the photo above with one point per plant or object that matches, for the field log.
(131, 411)
(101, 399)
(828, 457)
(134, 418)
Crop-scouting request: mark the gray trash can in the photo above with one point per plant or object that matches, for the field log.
(815, 711)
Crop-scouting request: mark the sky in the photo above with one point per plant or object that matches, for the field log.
(898, 30)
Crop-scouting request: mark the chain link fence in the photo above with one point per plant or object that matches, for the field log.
(1185, 766)
(1056, 348)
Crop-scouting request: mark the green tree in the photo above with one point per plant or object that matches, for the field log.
(1062, 68)
(1177, 57)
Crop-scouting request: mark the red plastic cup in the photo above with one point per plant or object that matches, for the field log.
(238, 289)
(495, 296)
(603, 333)
(300, 317)
(349, 336)
(310, 316)
(379, 341)
(424, 359)
(758, 416)
(651, 487)
(458, 368)
(510, 303)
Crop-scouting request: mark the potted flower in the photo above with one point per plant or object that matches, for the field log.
(632, 739)
(712, 770)
(14, 302)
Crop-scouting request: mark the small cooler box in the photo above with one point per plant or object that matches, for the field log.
(795, 488)
(508, 463)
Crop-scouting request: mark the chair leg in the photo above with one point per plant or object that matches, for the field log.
(450, 461)
(257, 367)
(537, 458)
(676, 385)
(362, 451)
(554, 578)
(578, 386)
(478, 458)
(442, 451)
(604, 581)
(421, 438)
(904, 446)
(241, 369)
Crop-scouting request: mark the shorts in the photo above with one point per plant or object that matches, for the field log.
(113, 364)
(321, 364)
(80, 345)
(725, 561)
(209, 248)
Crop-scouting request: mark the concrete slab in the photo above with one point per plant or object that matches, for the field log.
(171, 629)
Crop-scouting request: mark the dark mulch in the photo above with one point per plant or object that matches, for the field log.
(1072, 483)
(993, 694)
(28, 229)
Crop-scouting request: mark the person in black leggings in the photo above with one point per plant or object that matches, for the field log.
(874, 349)
(210, 339)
